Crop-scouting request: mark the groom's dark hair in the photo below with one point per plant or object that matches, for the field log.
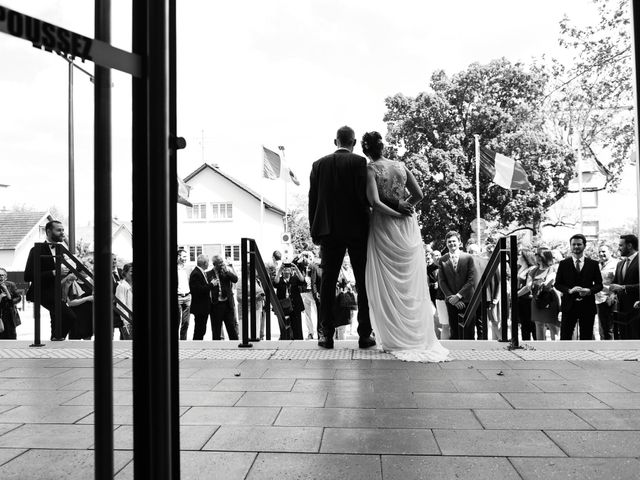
(345, 136)
(452, 233)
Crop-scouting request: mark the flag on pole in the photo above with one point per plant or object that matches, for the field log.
(183, 193)
(505, 171)
(273, 167)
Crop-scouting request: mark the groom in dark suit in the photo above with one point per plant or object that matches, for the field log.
(625, 286)
(457, 281)
(578, 279)
(339, 221)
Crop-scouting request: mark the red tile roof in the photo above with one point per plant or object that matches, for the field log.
(14, 226)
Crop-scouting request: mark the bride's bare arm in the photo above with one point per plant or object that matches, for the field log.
(374, 198)
(414, 189)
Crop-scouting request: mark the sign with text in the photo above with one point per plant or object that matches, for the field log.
(44, 35)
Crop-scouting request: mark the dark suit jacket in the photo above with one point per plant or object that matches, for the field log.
(338, 206)
(200, 292)
(47, 277)
(627, 298)
(568, 277)
(226, 279)
(294, 292)
(315, 272)
(460, 281)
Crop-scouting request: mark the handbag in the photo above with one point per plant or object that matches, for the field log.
(543, 298)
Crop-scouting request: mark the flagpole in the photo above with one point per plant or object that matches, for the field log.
(478, 232)
(261, 219)
(286, 196)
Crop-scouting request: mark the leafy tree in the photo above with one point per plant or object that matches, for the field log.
(299, 225)
(590, 98)
(500, 102)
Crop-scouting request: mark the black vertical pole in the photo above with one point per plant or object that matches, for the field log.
(252, 290)
(267, 312)
(513, 265)
(57, 289)
(103, 293)
(504, 298)
(37, 294)
(244, 270)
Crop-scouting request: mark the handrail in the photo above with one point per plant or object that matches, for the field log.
(497, 263)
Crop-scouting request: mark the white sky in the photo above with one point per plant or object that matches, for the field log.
(251, 73)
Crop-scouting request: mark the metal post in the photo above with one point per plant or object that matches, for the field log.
(513, 266)
(103, 293)
(635, 16)
(57, 299)
(72, 187)
(244, 270)
(252, 290)
(478, 229)
(580, 180)
(504, 298)
(37, 294)
(267, 313)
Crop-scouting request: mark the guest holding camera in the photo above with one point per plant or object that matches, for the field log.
(288, 280)
(221, 276)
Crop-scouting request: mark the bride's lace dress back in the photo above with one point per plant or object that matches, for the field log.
(391, 178)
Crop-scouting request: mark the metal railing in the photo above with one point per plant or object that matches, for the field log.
(75, 266)
(503, 259)
(252, 263)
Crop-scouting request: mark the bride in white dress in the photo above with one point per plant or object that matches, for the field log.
(396, 272)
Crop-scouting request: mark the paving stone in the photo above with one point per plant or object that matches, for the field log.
(35, 383)
(201, 363)
(288, 466)
(497, 386)
(344, 386)
(576, 468)
(192, 437)
(57, 465)
(509, 374)
(460, 400)
(120, 397)
(611, 419)
(447, 375)
(49, 436)
(542, 365)
(282, 399)
(311, 373)
(7, 427)
(229, 416)
(554, 400)
(371, 400)
(338, 364)
(198, 384)
(265, 439)
(370, 374)
(7, 454)
(413, 385)
(405, 467)
(327, 417)
(578, 386)
(254, 385)
(599, 443)
(619, 400)
(524, 443)
(86, 384)
(122, 415)
(425, 418)
(532, 420)
(45, 414)
(473, 365)
(249, 372)
(35, 372)
(37, 397)
(379, 441)
(209, 399)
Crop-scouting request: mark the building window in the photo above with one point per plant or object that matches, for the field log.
(590, 199)
(197, 212)
(194, 251)
(591, 230)
(233, 252)
(222, 211)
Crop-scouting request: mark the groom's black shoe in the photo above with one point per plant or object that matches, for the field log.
(325, 342)
(366, 342)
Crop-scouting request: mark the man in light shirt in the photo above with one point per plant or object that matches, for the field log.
(184, 295)
(605, 299)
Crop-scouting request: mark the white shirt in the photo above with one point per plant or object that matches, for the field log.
(183, 280)
(124, 293)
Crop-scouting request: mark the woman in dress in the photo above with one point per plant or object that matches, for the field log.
(545, 300)
(396, 273)
(526, 262)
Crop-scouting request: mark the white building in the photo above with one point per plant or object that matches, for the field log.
(18, 232)
(224, 211)
(121, 238)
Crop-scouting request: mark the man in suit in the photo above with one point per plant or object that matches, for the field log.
(184, 295)
(200, 289)
(456, 277)
(625, 285)
(578, 279)
(55, 234)
(220, 277)
(339, 221)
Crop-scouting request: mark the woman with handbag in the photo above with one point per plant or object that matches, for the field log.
(287, 281)
(9, 316)
(545, 302)
(526, 263)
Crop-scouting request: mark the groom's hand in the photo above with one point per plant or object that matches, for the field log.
(460, 305)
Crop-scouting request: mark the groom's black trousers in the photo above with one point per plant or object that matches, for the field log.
(332, 252)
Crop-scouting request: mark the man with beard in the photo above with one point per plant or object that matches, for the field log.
(625, 286)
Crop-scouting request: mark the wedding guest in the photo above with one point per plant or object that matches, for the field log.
(259, 305)
(625, 286)
(456, 279)
(316, 283)
(605, 300)
(287, 283)
(54, 231)
(221, 276)
(526, 262)
(578, 279)
(544, 300)
(200, 289)
(346, 301)
(79, 297)
(124, 293)
(441, 304)
(304, 264)
(184, 294)
(492, 294)
(9, 298)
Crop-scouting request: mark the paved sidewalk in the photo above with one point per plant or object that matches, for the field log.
(288, 410)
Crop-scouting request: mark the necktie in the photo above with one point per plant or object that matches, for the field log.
(454, 261)
(578, 265)
(624, 267)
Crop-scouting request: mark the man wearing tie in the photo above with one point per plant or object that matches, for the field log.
(625, 286)
(578, 279)
(200, 289)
